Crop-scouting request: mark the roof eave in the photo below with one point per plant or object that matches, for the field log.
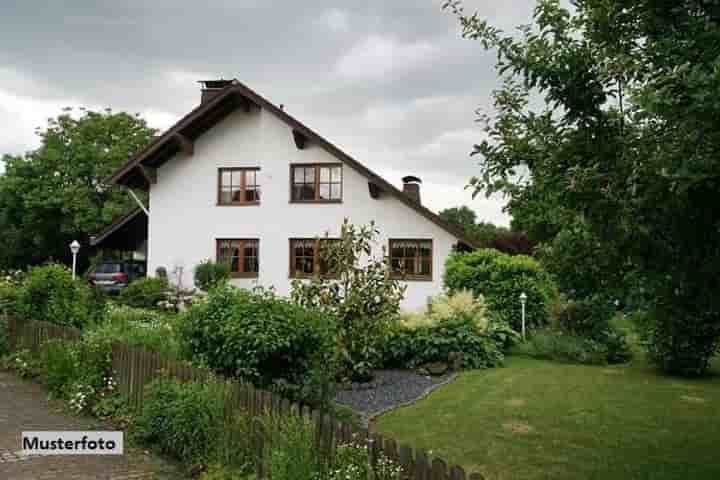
(128, 175)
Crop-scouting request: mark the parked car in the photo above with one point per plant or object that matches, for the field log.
(114, 275)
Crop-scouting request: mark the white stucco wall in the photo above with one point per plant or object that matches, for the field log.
(185, 220)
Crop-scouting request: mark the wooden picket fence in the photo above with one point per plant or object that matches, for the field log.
(135, 368)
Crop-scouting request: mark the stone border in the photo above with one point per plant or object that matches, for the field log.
(368, 419)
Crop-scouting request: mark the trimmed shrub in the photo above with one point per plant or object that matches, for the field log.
(449, 341)
(50, 294)
(455, 330)
(501, 279)
(259, 337)
(209, 274)
(145, 293)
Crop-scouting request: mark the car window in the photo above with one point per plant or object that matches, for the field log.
(108, 268)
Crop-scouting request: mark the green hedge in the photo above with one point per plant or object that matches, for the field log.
(449, 341)
(258, 336)
(501, 278)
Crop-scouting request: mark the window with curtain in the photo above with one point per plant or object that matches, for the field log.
(241, 255)
(411, 259)
(306, 260)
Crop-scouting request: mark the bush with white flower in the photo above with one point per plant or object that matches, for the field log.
(352, 462)
(22, 363)
(81, 396)
(358, 289)
(10, 282)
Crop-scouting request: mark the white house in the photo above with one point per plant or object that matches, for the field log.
(238, 180)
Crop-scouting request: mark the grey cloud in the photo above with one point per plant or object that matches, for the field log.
(145, 56)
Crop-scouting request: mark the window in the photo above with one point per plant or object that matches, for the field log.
(238, 186)
(305, 259)
(316, 183)
(240, 255)
(411, 259)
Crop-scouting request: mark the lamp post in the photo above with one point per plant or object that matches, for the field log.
(74, 248)
(523, 299)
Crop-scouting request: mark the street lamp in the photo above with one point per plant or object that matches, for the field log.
(74, 248)
(523, 299)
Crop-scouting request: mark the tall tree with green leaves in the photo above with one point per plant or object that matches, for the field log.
(55, 194)
(627, 140)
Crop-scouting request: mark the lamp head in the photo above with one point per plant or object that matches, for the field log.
(75, 247)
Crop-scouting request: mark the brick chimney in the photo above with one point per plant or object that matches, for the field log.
(210, 88)
(411, 187)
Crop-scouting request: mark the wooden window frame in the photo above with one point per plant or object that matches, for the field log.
(243, 186)
(241, 258)
(412, 277)
(316, 259)
(317, 167)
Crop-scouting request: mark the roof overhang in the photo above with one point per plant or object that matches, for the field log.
(126, 233)
(139, 171)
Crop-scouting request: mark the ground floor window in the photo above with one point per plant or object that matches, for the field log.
(241, 255)
(411, 259)
(305, 258)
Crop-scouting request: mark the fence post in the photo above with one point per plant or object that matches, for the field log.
(259, 440)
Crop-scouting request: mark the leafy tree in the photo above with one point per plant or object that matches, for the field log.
(359, 291)
(488, 234)
(55, 194)
(626, 138)
(464, 217)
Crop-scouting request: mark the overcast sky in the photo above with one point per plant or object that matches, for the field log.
(389, 81)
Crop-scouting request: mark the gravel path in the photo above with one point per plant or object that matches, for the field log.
(389, 389)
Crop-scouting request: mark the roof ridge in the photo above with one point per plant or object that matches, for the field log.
(249, 94)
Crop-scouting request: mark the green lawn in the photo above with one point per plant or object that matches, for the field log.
(535, 419)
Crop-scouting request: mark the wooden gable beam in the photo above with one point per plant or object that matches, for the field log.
(300, 139)
(186, 145)
(243, 102)
(374, 190)
(148, 173)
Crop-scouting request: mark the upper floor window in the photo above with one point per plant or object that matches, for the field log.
(316, 183)
(238, 186)
(241, 255)
(306, 260)
(411, 259)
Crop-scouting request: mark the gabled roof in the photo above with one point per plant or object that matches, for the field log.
(139, 170)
